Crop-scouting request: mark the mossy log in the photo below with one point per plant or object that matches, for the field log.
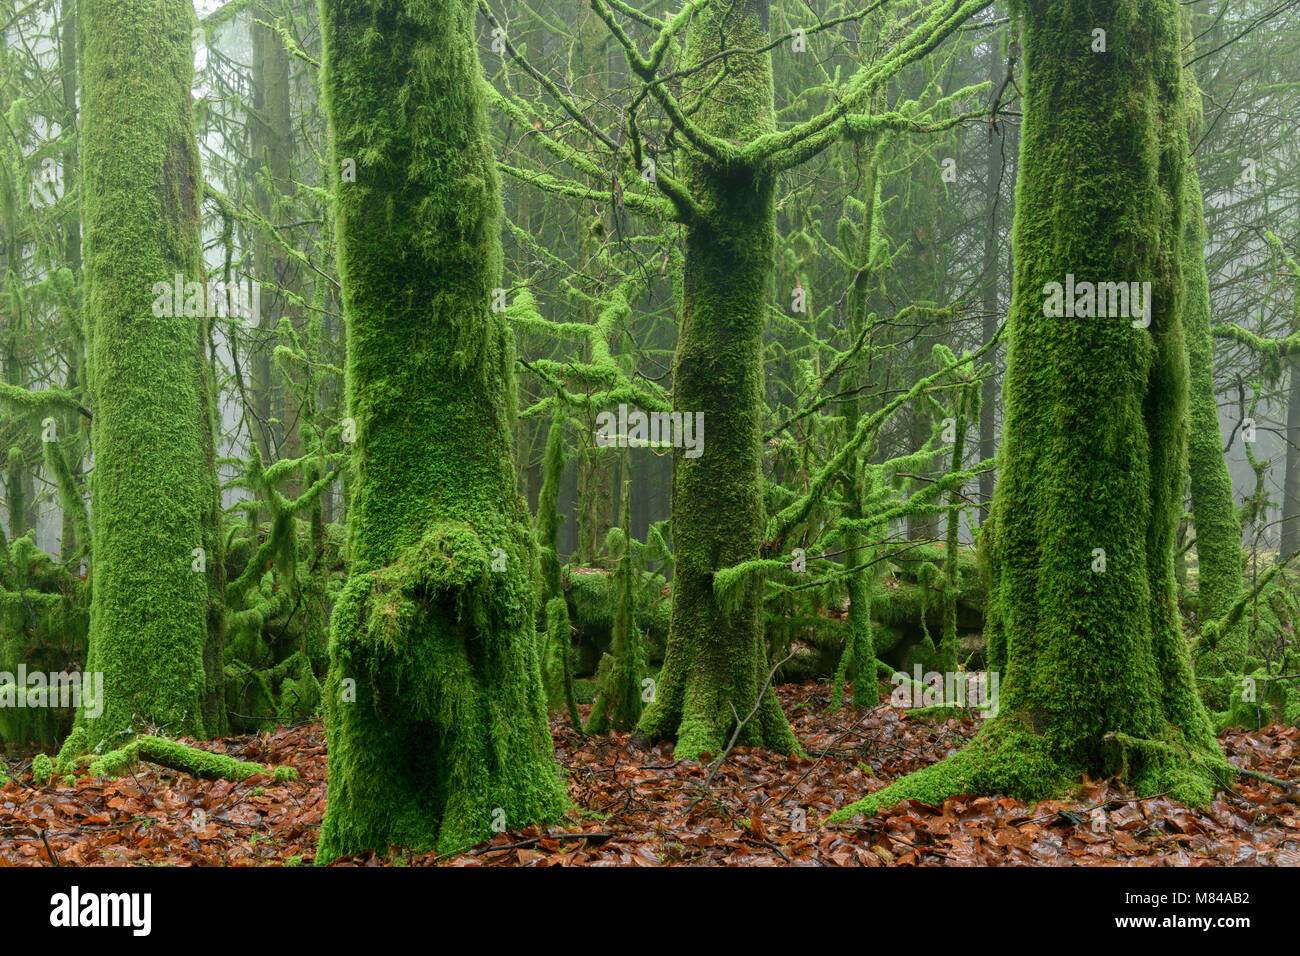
(189, 760)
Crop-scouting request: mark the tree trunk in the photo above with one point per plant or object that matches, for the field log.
(989, 388)
(716, 659)
(1290, 539)
(435, 711)
(1097, 678)
(269, 168)
(152, 482)
(1218, 532)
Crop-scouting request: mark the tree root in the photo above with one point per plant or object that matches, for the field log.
(1008, 758)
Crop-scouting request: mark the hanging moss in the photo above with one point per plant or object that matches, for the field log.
(152, 482)
(1097, 674)
(434, 705)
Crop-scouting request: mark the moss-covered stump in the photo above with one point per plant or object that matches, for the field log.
(1096, 674)
(1264, 697)
(261, 698)
(435, 712)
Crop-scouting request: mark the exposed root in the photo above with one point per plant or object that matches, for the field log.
(1009, 758)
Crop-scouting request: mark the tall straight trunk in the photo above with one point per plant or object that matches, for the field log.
(1218, 532)
(989, 388)
(1097, 677)
(858, 659)
(152, 484)
(271, 148)
(272, 158)
(435, 710)
(716, 659)
(1290, 539)
(596, 488)
(15, 450)
(68, 543)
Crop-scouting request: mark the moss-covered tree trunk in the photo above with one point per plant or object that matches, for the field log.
(1097, 676)
(71, 423)
(1218, 530)
(434, 704)
(716, 658)
(858, 659)
(989, 274)
(152, 481)
(618, 704)
(1290, 524)
(556, 663)
(271, 129)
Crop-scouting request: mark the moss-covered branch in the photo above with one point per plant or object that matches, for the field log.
(189, 760)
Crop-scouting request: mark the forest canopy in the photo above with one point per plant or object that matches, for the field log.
(650, 431)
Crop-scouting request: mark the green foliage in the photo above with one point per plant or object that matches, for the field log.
(42, 769)
(44, 618)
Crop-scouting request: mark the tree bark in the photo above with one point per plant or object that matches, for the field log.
(1097, 676)
(153, 480)
(435, 710)
(1218, 531)
(716, 664)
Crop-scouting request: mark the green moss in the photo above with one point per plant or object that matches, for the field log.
(557, 665)
(557, 668)
(434, 705)
(176, 756)
(1261, 698)
(619, 704)
(152, 483)
(1218, 531)
(42, 769)
(1097, 676)
(715, 662)
(592, 602)
(58, 602)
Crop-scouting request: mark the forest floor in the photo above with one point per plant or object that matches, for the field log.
(638, 807)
